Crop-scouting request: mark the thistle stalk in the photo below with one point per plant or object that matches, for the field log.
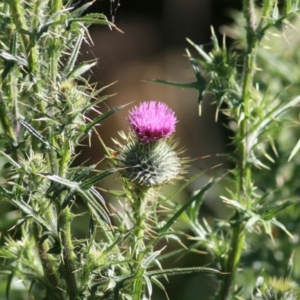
(64, 216)
(68, 256)
(138, 241)
(147, 160)
(28, 47)
(243, 168)
(50, 274)
(64, 225)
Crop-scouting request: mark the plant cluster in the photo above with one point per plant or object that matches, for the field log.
(45, 103)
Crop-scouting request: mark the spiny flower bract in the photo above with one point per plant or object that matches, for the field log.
(149, 164)
(152, 121)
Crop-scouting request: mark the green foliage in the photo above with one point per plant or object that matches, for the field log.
(43, 110)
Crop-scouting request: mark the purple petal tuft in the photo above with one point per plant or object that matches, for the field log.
(152, 121)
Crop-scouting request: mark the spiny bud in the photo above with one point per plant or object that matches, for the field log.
(278, 288)
(147, 165)
(148, 157)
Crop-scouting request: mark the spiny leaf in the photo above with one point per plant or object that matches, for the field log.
(97, 196)
(46, 235)
(179, 271)
(13, 58)
(160, 285)
(35, 134)
(148, 260)
(68, 198)
(102, 117)
(80, 69)
(80, 10)
(204, 55)
(93, 18)
(282, 227)
(182, 187)
(82, 172)
(6, 193)
(199, 85)
(91, 226)
(148, 284)
(28, 211)
(273, 114)
(91, 197)
(192, 85)
(97, 209)
(63, 181)
(94, 94)
(8, 284)
(90, 182)
(295, 150)
(9, 63)
(73, 56)
(268, 212)
(186, 205)
(12, 161)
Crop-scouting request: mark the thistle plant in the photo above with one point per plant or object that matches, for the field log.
(44, 101)
(148, 159)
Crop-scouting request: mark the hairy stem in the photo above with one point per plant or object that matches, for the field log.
(50, 274)
(64, 223)
(29, 48)
(5, 122)
(243, 168)
(59, 165)
(138, 243)
(68, 259)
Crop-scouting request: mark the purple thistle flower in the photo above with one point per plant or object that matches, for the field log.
(152, 121)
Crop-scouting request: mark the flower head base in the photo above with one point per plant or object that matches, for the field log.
(149, 164)
(152, 121)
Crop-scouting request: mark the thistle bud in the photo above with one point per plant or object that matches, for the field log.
(148, 157)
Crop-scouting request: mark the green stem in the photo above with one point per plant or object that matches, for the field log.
(54, 53)
(138, 286)
(266, 11)
(138, 243)
(68, 260)
(18, 18)
(51, 277)
(66, 157)
(65, 219)
(243, 168)
(236, 248)
(29, 48)
(5, 122)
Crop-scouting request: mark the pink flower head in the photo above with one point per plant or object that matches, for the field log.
(152, 121)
